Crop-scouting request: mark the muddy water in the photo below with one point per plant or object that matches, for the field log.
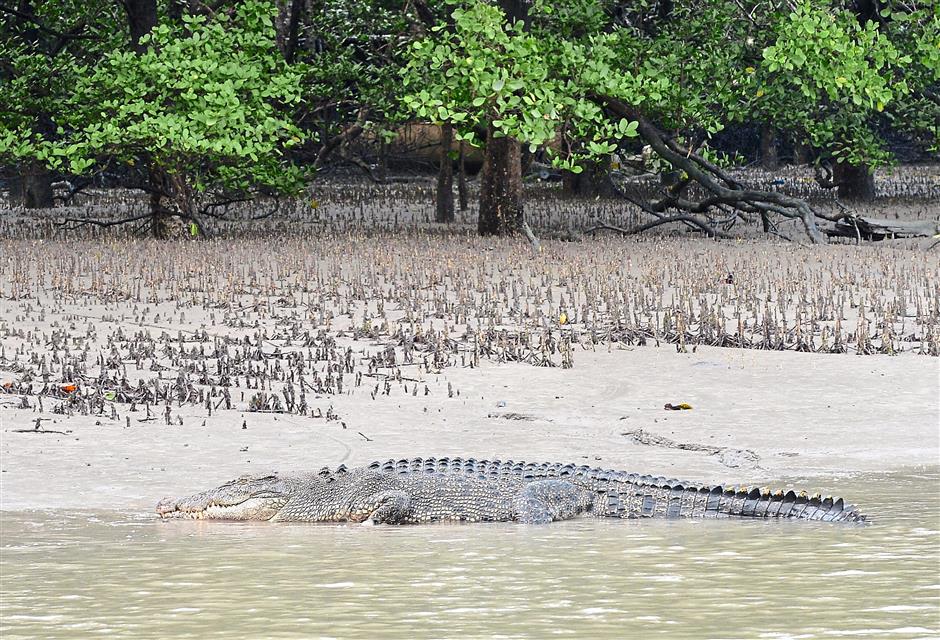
(68, 575)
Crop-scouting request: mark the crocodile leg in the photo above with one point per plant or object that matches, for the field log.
(388, 507)
(545, 501)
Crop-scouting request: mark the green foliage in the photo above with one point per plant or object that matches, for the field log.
(351, 61)
(213, 102)
(828, 76)
(686, 77)
(812, 70)
(916, 33)
(22, 102)
(207, 102)
(569, 19)
(41, 58)
(482, 71)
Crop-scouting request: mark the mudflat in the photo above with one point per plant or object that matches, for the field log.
(134, 369)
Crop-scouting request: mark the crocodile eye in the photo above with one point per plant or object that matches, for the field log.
(248, 478)
(237, 481)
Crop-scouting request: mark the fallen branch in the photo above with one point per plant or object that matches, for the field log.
(600, 225)
(73, 190)
(224, 205)
(533, 241)
(61, 433)
(867, 228)
(722, 188)
(345, 137)
(78, 222)
(728, 456)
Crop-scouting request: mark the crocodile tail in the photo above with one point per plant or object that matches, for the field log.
(666, 500)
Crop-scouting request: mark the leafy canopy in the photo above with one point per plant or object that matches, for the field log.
(828, 76)
(812, 69)
(42, 51)
(483, 71)
(207, 101)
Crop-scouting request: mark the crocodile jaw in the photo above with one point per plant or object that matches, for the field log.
(252, 508)
(245, 498)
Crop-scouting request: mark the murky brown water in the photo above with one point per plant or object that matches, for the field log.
(68, 575)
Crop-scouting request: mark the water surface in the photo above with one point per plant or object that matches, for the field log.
(68, 575)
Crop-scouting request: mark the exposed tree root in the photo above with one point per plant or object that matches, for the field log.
(723, 191)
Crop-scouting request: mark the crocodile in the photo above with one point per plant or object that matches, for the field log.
(424, 490)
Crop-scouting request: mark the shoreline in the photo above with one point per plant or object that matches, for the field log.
(607, 395)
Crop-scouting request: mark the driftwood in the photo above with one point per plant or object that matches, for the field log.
(866, 228)
(727, 456)
(61, 433)
(530, 236)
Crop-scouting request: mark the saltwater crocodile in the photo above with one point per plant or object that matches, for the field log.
(420, 490)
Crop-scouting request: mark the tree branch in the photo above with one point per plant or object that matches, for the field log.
(78, 222)
(692, 220)
(700, 170)
(340, 139)
(72, 34)
(74, 190)
(207, 209)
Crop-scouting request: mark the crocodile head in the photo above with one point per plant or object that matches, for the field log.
(245, 498)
